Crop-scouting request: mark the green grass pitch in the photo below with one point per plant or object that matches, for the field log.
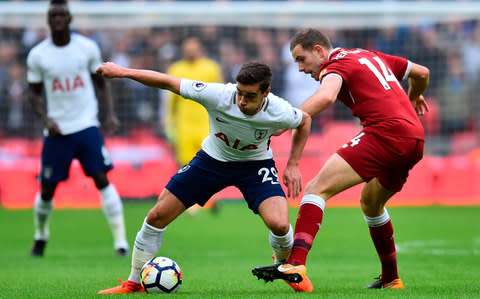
(438, 254)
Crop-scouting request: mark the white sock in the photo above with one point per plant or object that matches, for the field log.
(147, 243)
(113, 209)
(281, 245)
(41, 215)
(314, 200)
(379, 220)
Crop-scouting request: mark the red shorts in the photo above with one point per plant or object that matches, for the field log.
(387, 158)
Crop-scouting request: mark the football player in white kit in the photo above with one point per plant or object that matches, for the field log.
(63, 67)
(243, 117)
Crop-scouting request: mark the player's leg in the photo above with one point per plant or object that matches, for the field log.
(149, 240)
(57, 155)
(195, 183)
(187, 144)
(113, 209)
(42, 210)
(96, 162)
(274, 213)
(150, 237)
(258, 182)
(335, 176)
(400, 155)
(373, 199)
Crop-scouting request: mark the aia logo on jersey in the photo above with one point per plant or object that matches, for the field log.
(235, 144)
(198, 86)
(68, 84)
(260, 134)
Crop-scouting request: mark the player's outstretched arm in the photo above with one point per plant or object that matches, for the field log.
(292, 177)
(419, 79)
(146, 77)
(324, 97)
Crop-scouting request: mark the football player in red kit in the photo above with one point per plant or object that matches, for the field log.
(380, 156)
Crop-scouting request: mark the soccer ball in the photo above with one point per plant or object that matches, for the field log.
(161, 275)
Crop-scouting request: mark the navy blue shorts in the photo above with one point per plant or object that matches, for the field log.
(204, 176)
(58, 153)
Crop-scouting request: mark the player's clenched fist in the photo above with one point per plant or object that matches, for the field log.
(109, 70)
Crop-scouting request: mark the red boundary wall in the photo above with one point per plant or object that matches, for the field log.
(144, 164)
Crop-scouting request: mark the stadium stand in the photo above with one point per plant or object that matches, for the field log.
(444, 38)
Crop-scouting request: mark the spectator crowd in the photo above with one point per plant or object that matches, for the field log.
(450, 50)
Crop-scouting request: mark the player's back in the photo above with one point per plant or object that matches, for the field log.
(371, 88)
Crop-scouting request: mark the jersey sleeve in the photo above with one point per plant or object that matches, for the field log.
(284, 114)
(95, 57)
(34, 74)
(206, 94)
(336, 69)
(294, 117)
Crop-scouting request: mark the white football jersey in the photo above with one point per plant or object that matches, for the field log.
(235, 136)
(66, 76)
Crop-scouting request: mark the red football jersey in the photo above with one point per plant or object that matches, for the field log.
(371, 89)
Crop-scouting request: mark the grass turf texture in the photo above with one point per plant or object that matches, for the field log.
(439, 254)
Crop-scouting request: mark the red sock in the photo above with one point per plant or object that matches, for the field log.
(382, 237)
(308, 222)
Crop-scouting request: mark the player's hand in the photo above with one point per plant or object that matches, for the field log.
(292, 178)
(109, 70)
(420, 105)
(52, 127)
(111, 124)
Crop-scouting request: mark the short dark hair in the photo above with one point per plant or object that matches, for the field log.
(255, 72)
(310, 37)
(61, 2)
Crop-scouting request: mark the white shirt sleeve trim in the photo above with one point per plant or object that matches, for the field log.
(333, 74)
(407, 71)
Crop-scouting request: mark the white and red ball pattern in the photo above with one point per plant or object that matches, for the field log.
(161, 275)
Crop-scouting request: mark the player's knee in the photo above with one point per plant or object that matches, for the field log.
(153, 215)
(323, 192)
(367, 202)
(101, 180)
(371, 206)
(279, 228)
(47, 196)
(48, 190)
(157, 217)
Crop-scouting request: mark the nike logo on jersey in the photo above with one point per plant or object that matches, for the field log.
(221, 120)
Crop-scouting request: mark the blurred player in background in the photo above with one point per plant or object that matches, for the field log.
(186, 122)
(242, 118)
(381, 155)
(63, 67)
